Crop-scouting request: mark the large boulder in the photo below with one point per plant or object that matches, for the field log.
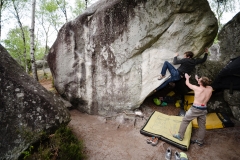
(233, 102)
(222, 53)
(220, 70)
(230, 48)
(229, 39)
(41, 64)
(218, 104)
(108, 58)
(26, 109)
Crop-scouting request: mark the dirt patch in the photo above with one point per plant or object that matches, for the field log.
(46, 80)
(119, 137)
(46, 84)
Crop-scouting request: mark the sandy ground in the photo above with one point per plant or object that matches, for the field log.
(121, 139)
(118, 137)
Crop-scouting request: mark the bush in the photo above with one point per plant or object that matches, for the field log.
(62, 145)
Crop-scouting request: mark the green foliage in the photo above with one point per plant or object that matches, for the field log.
(61, 145)
(68, 144)
(52, 82)
(78, 7)
(216, 41)
(27, 153)
(39, 52)
(49, 15)
(49, 19)
(49, 6)
(15, 46)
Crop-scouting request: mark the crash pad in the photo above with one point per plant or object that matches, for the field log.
(215, 120)
(164, 126)
(188, 98)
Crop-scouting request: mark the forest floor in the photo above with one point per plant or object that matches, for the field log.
(119, 137)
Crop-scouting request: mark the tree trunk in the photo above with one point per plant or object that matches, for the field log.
(34, 70)
(1, 7)
(23, 35)
(63, 8)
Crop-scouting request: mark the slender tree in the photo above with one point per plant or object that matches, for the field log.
(50, 9)
(62, 5)
(46, 28)
(17, 16)
(32, 49)
(48, 18)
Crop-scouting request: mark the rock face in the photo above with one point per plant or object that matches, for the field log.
(26, 109)
(233, 102)
(229, 48)
(108, 59)
(229, 39)
(41, 64)
(218, 104)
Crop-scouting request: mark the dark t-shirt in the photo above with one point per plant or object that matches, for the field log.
(188, 64)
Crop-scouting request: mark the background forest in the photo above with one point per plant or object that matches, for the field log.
(28, 28)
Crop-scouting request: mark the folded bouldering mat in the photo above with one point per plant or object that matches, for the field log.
(215, 120)
(164, 126)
